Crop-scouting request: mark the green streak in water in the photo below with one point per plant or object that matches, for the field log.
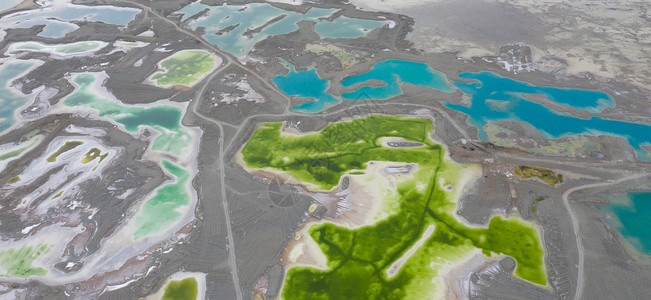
(77, 47)
(186, 289)
(18, 262)
(359, 258)
(163, 118)
(160, 210)
(65, 148)
(64, 48)
(184, 67)
(14, 153)
(30, 46)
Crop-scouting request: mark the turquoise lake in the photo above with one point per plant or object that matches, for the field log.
(54, 18)
(243, 18)
(393, 72)
(495, 98)
(308, 84)
(631, 217)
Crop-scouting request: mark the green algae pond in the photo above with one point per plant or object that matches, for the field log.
(358, 260)
(186, 289)
(63, 149)
(185, 67)
(18, 262)
(547, 176)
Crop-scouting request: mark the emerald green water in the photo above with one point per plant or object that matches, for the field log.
(186, 289)
(163, 118)
(162, 209)
(184, 67)
(358, 259)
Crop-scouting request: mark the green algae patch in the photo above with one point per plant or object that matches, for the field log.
(18, 262)
(93, 154)
(63, 149)
(547, 176)
(321, 158)
(160, 210)
(185, 67)
(13, 180)
(186, 289)
(366, 262)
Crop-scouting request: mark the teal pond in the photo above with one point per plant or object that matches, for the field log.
(630, 216)
(392, 73)
(308, 84)
(237, 28)
(10, 99)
